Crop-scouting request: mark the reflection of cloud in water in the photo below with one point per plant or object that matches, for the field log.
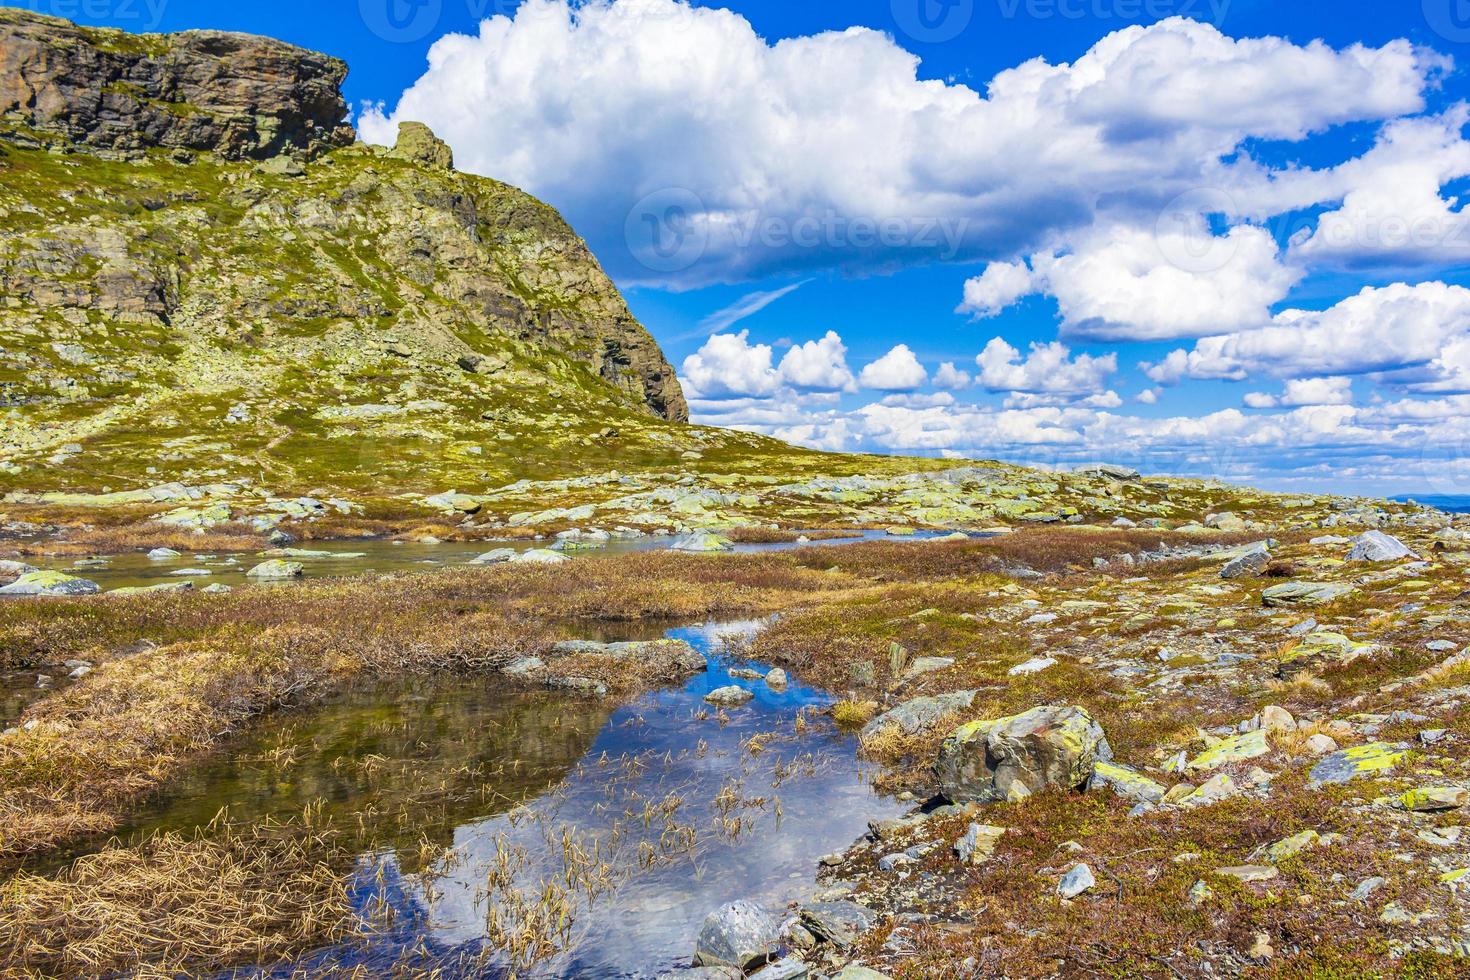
(647, 922)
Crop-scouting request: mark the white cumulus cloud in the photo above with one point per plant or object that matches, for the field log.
(898, 370)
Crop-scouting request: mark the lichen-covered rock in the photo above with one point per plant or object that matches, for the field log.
(539, 556)
(55, 584)
(276, 570)
(729, 696)
(658, 658)
(978, 843)
(418, 144)
(991, 761)
(1237, 748)
(1304, 593)
(1360, 761)
(1127, 783)
(703, 542)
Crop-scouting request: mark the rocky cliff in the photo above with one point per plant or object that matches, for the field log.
(203, 275)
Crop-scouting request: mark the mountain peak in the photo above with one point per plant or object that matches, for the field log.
(237, 95)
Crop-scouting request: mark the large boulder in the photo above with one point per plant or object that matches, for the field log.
(1252, 562)
(1377, 546)
(740, 935)
(53, 584)
(1052, 747)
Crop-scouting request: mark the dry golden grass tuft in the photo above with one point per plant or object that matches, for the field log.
(200, 903)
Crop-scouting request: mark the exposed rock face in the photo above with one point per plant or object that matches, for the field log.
(232, 94)
(1045, 748)
(280, 296)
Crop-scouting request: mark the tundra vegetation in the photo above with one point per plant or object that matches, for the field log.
(1139, 727)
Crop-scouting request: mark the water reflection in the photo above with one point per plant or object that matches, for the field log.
(625, 827)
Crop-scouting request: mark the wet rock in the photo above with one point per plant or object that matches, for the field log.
(1304, 593)
(163, 554)
(777, 678)
(1362, 760)
(276, 570)
(1377, 546)
(840, 923)
(703, 973)
(740, 935)
(1053, 747)
(578, 685)
(731, 696)
(50, 584)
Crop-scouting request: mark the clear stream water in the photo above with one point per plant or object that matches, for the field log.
(677, 809)
(376, 556)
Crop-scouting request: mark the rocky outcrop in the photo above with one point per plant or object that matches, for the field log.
(1049, 748)
(233, 94)
(270, 284)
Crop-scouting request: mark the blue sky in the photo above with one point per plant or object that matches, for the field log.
(1231, 228)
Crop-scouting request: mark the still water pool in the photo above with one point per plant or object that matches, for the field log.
(625, 825)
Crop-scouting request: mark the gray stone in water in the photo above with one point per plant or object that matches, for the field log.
(51, 585)
(730, 696)
(497, 557)
(163, 554)
(739, 935)
(1377, 546)
(703, 973)
(840, 923)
